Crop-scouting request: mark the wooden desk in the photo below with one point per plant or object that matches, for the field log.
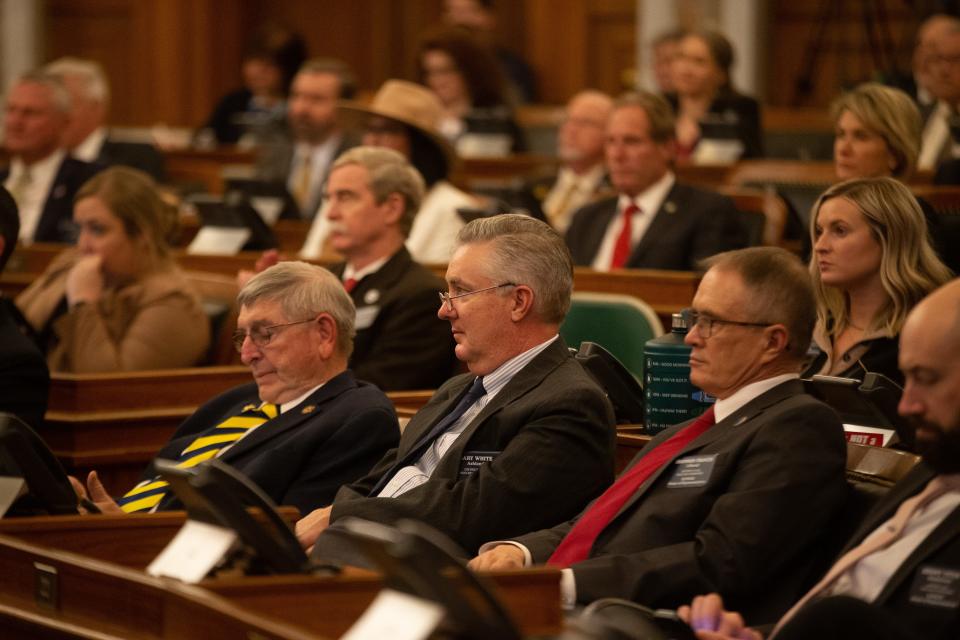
(193, 166)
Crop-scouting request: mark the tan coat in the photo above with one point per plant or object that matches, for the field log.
(156, 322)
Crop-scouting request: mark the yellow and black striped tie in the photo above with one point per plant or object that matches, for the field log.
(148, 494)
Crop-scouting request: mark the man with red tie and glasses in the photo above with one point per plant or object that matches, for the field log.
(736, 499)
(899, 577)
(654, 222)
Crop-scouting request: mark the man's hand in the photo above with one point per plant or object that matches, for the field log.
(310, 527)
(95, 493)
(711, 621)
(85, 281)
(501, 557)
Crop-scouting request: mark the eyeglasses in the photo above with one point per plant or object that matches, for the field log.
(705, 323)
(447, 299)
(261, 336)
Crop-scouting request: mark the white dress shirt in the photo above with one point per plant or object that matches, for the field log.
(649, 202)
(33, 198)
(936, 136)
(581, 188)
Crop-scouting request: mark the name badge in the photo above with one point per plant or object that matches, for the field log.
(472, 460)
(692, 471)
(936, 587)
(366, 316)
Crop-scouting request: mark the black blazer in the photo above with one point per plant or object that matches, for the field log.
(302, 456)
(56, 220)
(940, 551)
(549, 436)
(24, 378)
(750, 529)
(691, 224)
(400, 343)
(138, 155)
(881, 357)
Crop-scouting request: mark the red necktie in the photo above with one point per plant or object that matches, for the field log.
(349, 284)
(621, 250)
(577, 544)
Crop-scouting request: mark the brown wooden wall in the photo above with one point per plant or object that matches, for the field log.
(169, 60)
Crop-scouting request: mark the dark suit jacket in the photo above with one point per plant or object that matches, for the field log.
(747, 533)
(302, 456)
(941, 550)
(551, 432)
(138, 155)
(400, 343)
(691, 224)
(24, 378)
(56, 220)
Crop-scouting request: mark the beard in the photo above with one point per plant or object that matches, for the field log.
(939, 447)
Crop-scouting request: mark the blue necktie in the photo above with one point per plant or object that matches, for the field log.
(474, 393)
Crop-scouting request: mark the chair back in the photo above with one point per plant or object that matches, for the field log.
(621, 324)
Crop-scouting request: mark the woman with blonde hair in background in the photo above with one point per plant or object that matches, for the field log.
(872, 262)
(117, 302)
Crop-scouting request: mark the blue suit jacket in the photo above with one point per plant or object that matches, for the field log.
(302, 456)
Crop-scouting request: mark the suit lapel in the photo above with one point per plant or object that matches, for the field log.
(659, 227)
(49, 215)
(312, 406)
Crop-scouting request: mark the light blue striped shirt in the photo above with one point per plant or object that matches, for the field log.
(416, 474)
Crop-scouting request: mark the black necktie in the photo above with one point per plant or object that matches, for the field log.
(474, 393)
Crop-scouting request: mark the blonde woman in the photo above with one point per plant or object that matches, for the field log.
(117, 302)
(872, 262)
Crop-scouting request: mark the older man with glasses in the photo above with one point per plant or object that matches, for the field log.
(728, 501)
(525, 437)
(305, 426)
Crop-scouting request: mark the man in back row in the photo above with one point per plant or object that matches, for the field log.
(900, 576)
(654, 222)
(734, 498)
(526, 436)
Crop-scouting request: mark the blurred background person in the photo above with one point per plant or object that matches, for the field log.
(872, 262)
(663, 53)
(118, 302)
(87, 137)
(705, 102)
(405, 117)
(464, 74)
(270, 62)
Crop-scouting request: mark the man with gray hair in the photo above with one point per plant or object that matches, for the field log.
(41, 177)
(305, 425)
(523, 438)
(86, 136)
(733, 498)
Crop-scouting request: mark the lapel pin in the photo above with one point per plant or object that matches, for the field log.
(371, 296)
(310, 408)
(670, 207)
(740, 421)
(60, 191)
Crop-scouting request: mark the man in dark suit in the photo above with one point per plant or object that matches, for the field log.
(300, 154)
(373, 197)
(42, 178)
(87, 137)
(899, 577)
(305, 426)
(526, 436)
(654, 222)
(24, 378)
(734, 498)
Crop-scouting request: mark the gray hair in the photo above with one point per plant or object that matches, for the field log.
(780, 291)
(527, 251)
(333, 67)
(658, 110)
(304, 290)
(93, 80)
(59, 93)
(389, 173)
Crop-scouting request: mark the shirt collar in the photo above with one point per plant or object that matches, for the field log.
(89, 149)
(360, 274)
(50, 164)
(499, 377)
(650, 199)
(290, 404)
(728, 406)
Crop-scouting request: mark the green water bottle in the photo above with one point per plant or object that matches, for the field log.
(670, 398)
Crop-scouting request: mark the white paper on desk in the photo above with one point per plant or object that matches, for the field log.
(221, 241)
(268, 207)
(398, 616)
(196, 549)
(11, 488)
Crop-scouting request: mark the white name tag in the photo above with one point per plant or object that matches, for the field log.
(220, 241)
(397, 616)
(11, 488)
(366, 316)
(193, 552)
(692, 471)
